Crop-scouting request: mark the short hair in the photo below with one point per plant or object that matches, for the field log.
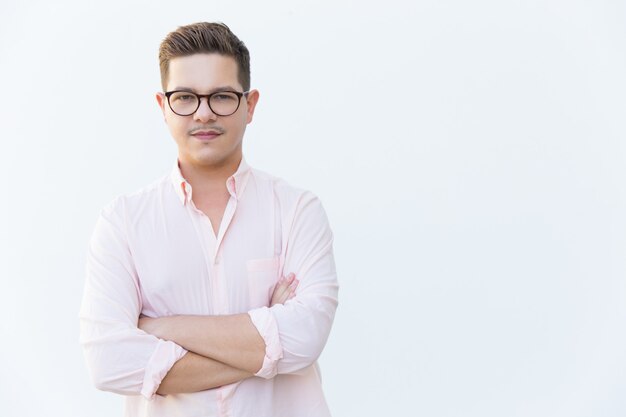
(204, 37)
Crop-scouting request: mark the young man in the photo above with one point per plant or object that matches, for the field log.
(187, 310)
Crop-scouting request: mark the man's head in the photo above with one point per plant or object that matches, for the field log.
(206, 101)
(204, 37)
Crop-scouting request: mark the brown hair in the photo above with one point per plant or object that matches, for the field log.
(204, 37)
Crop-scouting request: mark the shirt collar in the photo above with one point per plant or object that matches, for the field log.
(235, 184)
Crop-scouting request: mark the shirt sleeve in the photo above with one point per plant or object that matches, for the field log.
(120, 357)
(295, 333)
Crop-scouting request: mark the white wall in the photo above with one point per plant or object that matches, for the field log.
(470, 155)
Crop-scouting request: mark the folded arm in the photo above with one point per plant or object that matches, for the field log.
(195, 373)
(231, 339)
(286, 337)
(296, 332)
(120, 357)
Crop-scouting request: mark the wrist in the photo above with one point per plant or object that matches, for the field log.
(166, 328)
(159, 326)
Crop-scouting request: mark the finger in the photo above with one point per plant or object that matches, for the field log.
(284, 297)
(280, 299)
(292, 289)
(283, 284)
(281, 288)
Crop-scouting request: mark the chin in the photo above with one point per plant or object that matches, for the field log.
(202, 159)
(206, 157)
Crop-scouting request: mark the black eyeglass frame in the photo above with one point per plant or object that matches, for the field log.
(239, 94)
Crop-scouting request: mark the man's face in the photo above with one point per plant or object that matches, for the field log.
(204, 139)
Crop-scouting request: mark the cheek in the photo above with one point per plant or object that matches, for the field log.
(242, 121)
(238, 129)
(177, 128)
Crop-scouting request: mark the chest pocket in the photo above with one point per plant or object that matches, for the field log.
(263, 274)
(262, 279)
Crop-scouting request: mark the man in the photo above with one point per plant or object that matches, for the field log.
(186, 308)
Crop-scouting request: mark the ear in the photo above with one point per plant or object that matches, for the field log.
(161, 100)
(252, 100)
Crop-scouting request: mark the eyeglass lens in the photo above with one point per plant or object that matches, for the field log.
(185, 103)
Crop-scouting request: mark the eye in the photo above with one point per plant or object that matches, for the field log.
(183, 97)
(224, 97)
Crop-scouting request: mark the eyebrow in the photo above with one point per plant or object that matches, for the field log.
(214, 90)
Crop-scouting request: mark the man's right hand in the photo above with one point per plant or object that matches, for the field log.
(285, 289)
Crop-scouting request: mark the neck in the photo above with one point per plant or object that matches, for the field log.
(208, 178)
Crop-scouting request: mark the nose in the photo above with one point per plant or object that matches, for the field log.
(204, 112)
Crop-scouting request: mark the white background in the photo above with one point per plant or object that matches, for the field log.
(470, 156)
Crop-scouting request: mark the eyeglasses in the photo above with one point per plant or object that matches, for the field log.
(222, 103)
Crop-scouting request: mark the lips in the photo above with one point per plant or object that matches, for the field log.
(206, 134)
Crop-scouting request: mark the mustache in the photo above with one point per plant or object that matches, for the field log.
(212, 128)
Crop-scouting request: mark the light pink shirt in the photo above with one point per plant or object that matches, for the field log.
(154, 253)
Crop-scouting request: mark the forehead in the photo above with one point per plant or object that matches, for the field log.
(203, 72)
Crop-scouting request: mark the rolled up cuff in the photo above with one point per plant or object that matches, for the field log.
(266, 325)
(164, 357)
